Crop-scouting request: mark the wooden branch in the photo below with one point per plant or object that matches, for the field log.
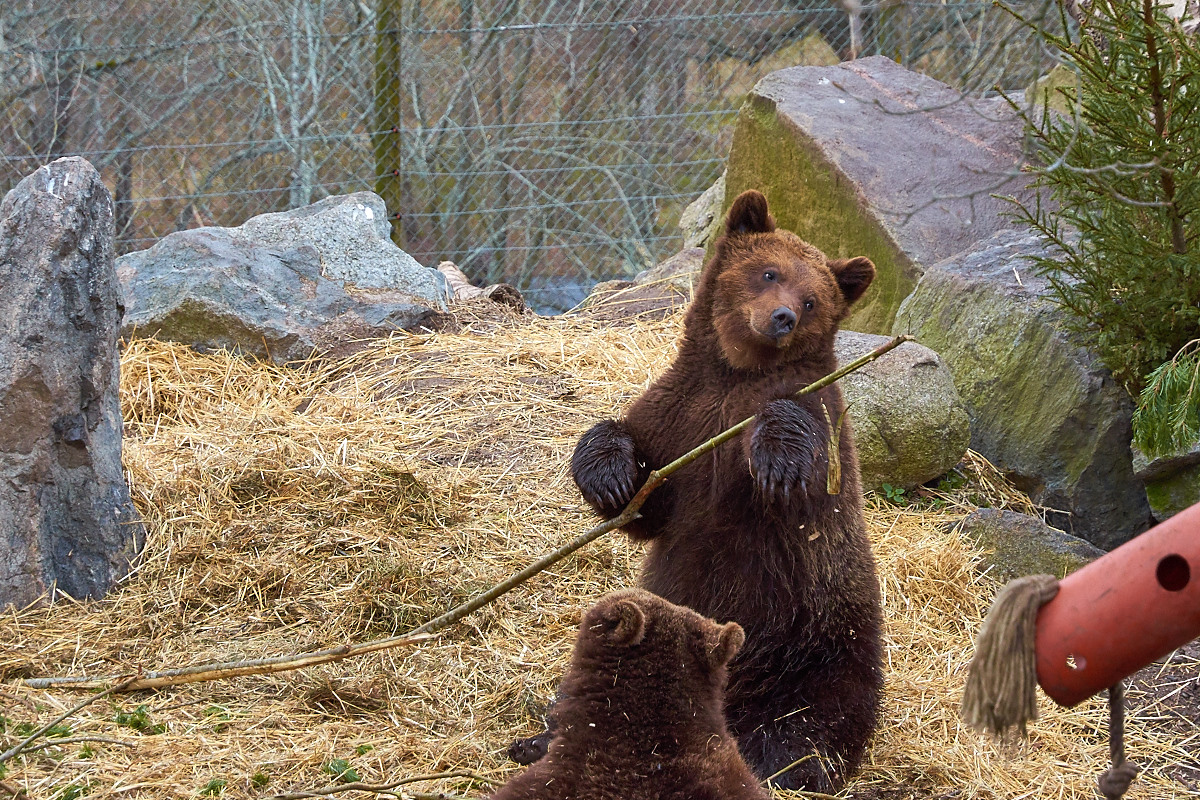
(358, 786)
(16, 749)
(77, 740)
(208, 672)
(227, 669)
(18, 794)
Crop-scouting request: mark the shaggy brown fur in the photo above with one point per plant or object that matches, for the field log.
(640, 710)
(750, 533)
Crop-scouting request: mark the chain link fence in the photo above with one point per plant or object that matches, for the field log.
(546, 143)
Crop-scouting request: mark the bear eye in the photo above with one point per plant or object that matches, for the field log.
(808, 305)
(770, 275)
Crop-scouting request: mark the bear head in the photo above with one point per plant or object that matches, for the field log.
(774, 297)
(660, 643)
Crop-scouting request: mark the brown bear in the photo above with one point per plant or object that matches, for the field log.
(639, 714)
(751, 533)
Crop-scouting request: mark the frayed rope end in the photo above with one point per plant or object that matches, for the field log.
(1001, 690)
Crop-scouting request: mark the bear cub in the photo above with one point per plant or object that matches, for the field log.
(640, 713)
(752, 533)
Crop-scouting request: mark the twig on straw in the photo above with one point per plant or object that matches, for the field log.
(18, 794)
(230, 669)
(383, 788)
(18, 748)
(77, 740)
(206, 672)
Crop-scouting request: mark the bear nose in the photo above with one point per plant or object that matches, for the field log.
(783, 320)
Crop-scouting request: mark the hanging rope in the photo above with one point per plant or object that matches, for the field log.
(1001, 688)
(1116, 779)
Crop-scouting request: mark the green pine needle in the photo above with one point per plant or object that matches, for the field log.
(1167, 418)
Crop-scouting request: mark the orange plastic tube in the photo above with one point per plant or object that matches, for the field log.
(1121, 612)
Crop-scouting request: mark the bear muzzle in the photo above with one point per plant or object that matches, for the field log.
(783, 322)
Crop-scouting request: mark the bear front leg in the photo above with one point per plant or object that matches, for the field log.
(606, 468)
(784, 448)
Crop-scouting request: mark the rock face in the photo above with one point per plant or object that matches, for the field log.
(66, 519)
(867, 158)
(1172, 481)
(910, 425)
(1018, 544)
(1042, 408)
(701, 220)
(282, 285)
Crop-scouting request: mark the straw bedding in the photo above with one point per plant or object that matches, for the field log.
(296, 509)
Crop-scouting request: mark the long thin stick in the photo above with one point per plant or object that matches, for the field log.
(16, 749)
(379, 788)
(207, 672)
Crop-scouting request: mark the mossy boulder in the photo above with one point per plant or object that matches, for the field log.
(910, 425)
(1172, 481)
(868, 158)
(1042, 407)
(1016, 545)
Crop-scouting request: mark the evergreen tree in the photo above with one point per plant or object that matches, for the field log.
(1123, 170)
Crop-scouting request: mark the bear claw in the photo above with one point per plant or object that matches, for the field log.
(527, 751)
(605, 468)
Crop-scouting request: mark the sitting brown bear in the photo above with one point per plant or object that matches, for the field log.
(640, 710)
(751, 533)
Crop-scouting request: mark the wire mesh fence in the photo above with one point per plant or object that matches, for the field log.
(546, 143)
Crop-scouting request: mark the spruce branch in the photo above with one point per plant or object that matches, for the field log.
(1167, 418)
(207, 672)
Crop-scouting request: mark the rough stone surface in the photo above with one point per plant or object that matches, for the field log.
(281, 285)
(910, 425)
(1172, 481)
(654, 293)
(66, 518)
(353, 237)
(701, 220)
(867, 158)
(1016, 545)
(1042, 408)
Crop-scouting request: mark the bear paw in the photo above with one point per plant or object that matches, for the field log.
(527, 751)
(605, 467)
(783, 450)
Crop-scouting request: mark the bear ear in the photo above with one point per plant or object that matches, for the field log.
(853, 276)
(622, 624)
(749, 214)
(729, 641)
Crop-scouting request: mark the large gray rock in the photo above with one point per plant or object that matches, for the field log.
(66, 518)
(1042, 408)
(1016, 545)
(910, 425)
(282, 285)
(1172, 481)
(867, 158)
(701, 221)
(353, 237)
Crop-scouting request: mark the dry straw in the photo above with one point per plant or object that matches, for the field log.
(301, 509)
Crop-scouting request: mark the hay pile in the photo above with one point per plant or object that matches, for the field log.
(292, 510)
